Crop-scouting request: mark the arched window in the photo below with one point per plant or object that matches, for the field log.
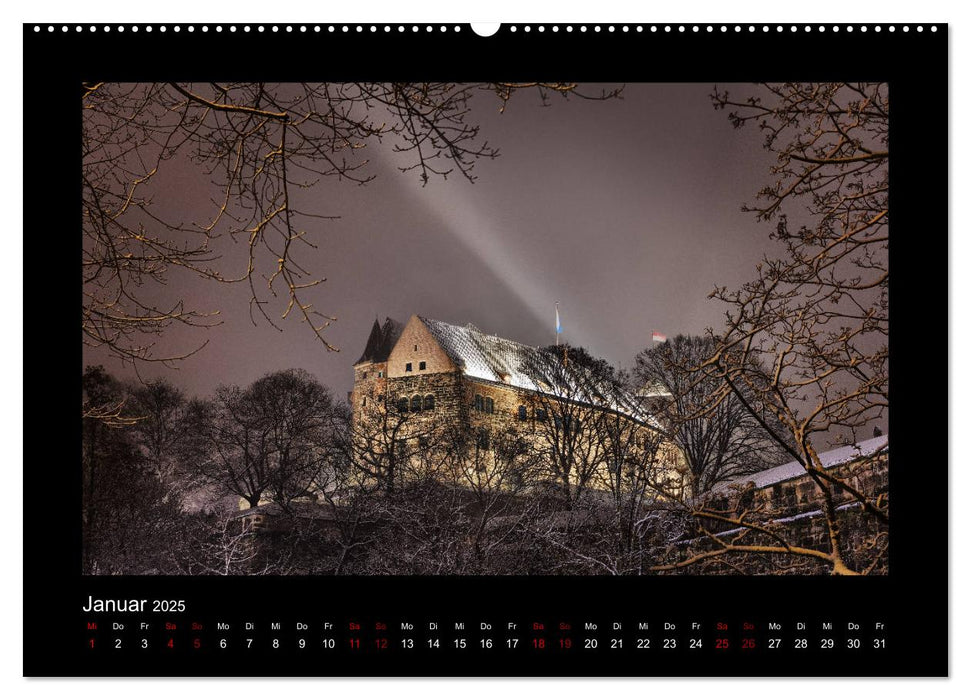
(429, 402)
(403, 404)
(479, 403)
(416, 403)
(490, 406)
(522, 413)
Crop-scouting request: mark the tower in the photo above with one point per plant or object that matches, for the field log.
(371, 370)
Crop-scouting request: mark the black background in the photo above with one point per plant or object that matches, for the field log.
(911, 600)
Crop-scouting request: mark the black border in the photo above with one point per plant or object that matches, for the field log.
(912, 599)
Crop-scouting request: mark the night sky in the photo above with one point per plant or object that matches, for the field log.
(627, 212)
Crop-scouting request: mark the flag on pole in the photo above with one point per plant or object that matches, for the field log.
(658, 337)
(559, 328)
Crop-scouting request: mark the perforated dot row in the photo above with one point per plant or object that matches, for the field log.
(304, 28)
(414, 28)
(697, 28)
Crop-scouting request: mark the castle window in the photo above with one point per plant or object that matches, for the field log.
(364, 401)
(416, 348)
(429, 402)
(490, 406)
(522, 413)
(380, 398)
(403, 404)
(380, 374)
(408, 367)
(540, 414)
(482, 440)
(416, 403)
(363, 375)
(479, 402)
(421, 365)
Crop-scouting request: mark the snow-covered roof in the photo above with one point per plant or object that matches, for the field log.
(830, 459)
(503, 361)
(653, 389)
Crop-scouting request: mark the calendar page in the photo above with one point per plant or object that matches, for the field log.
(426, 350)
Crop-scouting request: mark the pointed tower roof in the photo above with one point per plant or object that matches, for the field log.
(381, 341)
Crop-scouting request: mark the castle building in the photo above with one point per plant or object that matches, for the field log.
(429, 374)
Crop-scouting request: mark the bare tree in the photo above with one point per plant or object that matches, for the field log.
(497, 470)
(258, 144)
(566, 419)
(268, 441)
(586, 423)
(719, 440)
(808, 337)
(163, 416)
(229, 546)
(296, 410)
(129, 521)
(389, 444)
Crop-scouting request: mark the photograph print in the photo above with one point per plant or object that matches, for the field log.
(518, 329)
